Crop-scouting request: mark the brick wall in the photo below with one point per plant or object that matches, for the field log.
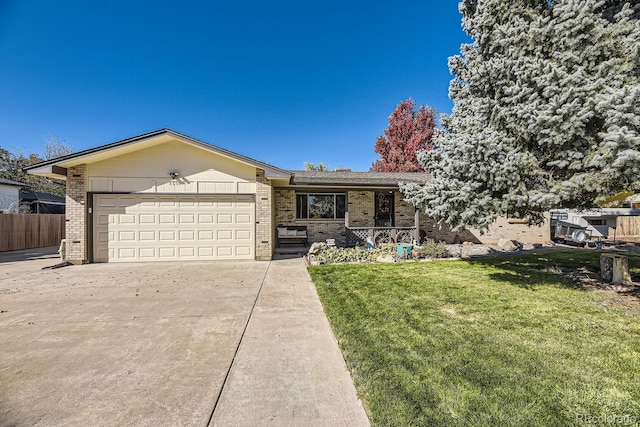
(505, 228)
(264, 217)
(405, 212)
(317, 230)
(285, 202)
(76, 232)
(361, 208)
(361, 214)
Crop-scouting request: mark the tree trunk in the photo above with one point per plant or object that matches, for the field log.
(615, 268)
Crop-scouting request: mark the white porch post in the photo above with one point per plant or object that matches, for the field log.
(416, 232)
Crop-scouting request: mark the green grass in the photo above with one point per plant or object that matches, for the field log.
(502, 341)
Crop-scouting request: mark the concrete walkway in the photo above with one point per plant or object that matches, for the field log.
(167, 344)
(288, 370)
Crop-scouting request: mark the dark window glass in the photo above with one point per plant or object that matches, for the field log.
(301, 206)
(321, 206)
(341, 205)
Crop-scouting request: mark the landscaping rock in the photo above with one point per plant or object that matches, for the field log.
(475, 250)
(509, 245)
(531, 246)
(385, 258)
(317, 247)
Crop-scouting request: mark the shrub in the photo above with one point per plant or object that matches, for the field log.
(432, 249)
(335, 255)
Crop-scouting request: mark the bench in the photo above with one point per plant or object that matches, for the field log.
(291, 234)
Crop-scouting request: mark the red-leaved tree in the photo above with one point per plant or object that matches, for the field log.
(409, 131)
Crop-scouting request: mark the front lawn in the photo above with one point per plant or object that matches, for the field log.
(502, 341)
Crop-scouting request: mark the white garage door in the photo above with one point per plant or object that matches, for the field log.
(137, 227)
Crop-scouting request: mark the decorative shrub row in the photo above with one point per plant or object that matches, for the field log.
(335, 255)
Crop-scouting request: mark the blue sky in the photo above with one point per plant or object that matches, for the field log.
(280, 81)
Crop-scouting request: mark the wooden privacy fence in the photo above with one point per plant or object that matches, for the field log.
(26, 231)
(628, 226)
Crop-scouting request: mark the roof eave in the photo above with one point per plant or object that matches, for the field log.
(43, 168)
(49, 171)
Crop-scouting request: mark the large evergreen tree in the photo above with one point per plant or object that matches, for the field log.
(546, 111)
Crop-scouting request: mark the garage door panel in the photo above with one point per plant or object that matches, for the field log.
(147, 203)
(127, 236)
(127, 219)
(188, 252)
(103, 219)
(147, 235)
(243, 218)
(167, 253)
(147, 254)
(153, 228)
(205, 218)
(243, 235)
(187, 219)
(187, 235)
(167, 203)
(225, 218)
(205, 235)
(224, 251)
(206, 251)
(124, 202)
(242, 251)
(147, 219)
(167, 235)
(102, 236)
(127, 253)
(225, 234)
(167, 219)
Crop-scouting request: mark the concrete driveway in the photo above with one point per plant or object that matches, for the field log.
(197, 343)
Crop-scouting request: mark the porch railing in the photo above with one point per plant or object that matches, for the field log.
(378, 235)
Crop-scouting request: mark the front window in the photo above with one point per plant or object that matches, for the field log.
(320, 206)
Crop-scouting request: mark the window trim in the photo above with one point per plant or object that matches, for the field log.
(321, 193)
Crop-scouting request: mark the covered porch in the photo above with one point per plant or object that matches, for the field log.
(354, 217)
(355, 236)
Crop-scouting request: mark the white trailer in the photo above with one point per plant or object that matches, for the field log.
(598, 224)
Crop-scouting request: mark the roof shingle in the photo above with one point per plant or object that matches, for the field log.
(356, 178)
(14, 183)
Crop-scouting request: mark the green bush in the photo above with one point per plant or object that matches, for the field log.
(335, 255)
(432, 249)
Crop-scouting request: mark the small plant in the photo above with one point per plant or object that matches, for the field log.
(432, 249)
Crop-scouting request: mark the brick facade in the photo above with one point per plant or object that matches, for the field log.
(265, 210)
(505, 228)
(275, 207)
(76, 217)
(361, 210)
